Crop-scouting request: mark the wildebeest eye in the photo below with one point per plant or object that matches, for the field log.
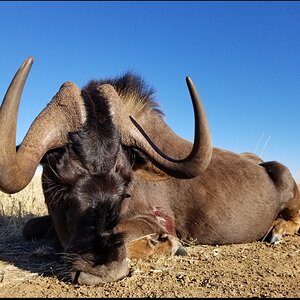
(127, 195)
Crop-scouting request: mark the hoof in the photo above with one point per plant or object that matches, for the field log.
(275, 239)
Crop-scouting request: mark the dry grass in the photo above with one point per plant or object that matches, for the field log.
(29, 201)
(16, 209)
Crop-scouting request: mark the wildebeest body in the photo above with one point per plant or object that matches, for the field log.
(118, 182)
(220, 206)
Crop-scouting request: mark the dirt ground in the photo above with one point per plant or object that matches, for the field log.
(32, 269)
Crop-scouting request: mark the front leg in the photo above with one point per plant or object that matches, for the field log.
(151, 232)
(154, 245)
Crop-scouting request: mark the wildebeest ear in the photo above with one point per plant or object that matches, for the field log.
(149, 171)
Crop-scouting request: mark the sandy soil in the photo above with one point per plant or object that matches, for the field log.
(32, 269)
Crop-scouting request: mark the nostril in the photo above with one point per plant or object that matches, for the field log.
(75, 281)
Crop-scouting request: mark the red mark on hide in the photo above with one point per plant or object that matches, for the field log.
(165, 220)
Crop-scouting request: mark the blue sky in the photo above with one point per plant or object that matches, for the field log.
(244, 58)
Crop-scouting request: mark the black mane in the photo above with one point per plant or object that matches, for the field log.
(129, 86)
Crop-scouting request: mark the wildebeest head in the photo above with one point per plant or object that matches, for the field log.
(84, 185)
(84, 140)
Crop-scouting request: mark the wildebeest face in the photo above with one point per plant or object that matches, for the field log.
(85, 209)
(84, 185)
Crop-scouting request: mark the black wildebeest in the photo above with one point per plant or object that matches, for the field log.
(109, 142)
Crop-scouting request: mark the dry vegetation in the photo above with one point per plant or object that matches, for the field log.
(32, 269)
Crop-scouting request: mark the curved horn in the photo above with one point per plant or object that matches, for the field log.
(199, 157)
(176, 163)
(49, 130)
